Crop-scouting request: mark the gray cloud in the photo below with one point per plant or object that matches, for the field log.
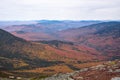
(59, 9)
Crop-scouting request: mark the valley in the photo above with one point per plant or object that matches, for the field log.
(46, 48)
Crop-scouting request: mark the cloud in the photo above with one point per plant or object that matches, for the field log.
(59, 9)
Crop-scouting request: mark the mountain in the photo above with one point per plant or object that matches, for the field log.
(104, 37)
(101, 38)
(56, 25)
(89, 43)
(72, 50)
(44, 29)
(23, 58)
(10, 23)
(18, 53)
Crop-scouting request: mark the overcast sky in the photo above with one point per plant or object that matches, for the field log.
(60, 9)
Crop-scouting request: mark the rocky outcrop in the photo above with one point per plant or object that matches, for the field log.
(107, 71)
(116, 78)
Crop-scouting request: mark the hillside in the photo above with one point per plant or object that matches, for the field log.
(89, 43)
(19, 57)
(43, 29)
(103, 37)
(75, 49)
(109, 28)
(18, 53)
(21, 54)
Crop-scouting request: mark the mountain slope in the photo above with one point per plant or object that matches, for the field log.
(106, 28)
(88, 43)
(44, 29)
(18, 53)
(75, 46)
(104, 37)
(21, 52)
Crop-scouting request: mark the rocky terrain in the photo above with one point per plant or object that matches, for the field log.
(109, 70)
(106, 71)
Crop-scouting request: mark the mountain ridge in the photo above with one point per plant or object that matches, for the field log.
(74, 47)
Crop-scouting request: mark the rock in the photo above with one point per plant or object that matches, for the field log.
(19, 78)
(89, 73)
(117, 70)
(110, 70)
(79, 78)
(84, 69)
(116, 78)
(11, 77)
(59, 77)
